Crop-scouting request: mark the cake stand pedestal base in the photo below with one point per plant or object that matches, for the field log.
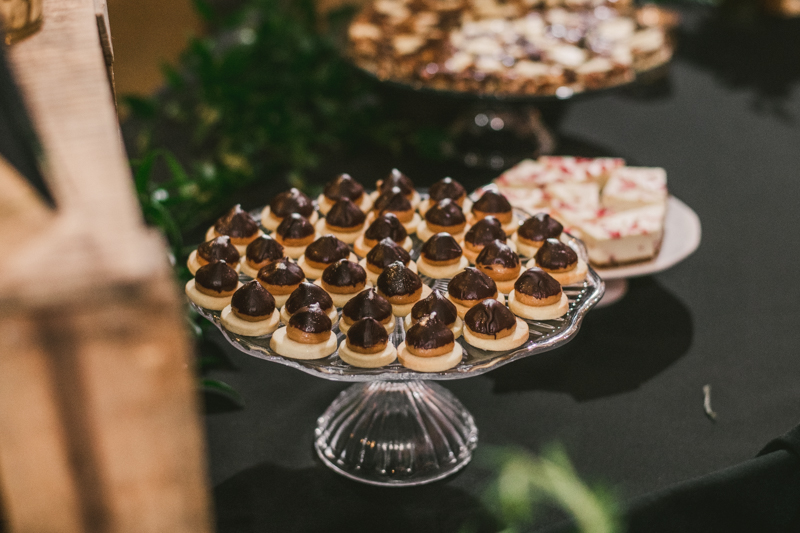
(615, 291)
(396, 433)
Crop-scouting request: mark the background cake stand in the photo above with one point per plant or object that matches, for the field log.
(395, 427)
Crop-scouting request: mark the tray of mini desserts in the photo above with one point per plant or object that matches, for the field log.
(395, 283)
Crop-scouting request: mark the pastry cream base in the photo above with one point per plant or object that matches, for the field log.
(285, 316)
(456, 328)
(339, 299)
(571, 277)
(440, 363)
(372, 277)
(241, 248)
(245, 268)
(424, 232)
(324, 205)
(315, 273)
(405, 309)
(373, 360)
(194, 265)
(280, 299)
(215, 303)
(362, 250)
(427, 203)
(462, 310)
(506, 286)
(414, 201)
(538, 312)
(472, 256)
(347, 237)
(517, 338)
(272, 223)
(294, 252)
(283, 345)
(442, 272)
(525, 250)
(234, 324)
(389, 326)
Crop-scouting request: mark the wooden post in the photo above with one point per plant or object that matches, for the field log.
(99, 425)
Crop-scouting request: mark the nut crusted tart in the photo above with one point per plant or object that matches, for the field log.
(286, 203)
(429, 346)
(367, 304)
(216, 249)
(261, 252)
(560, 261)
(236, 224)
(532, 233)
(294, 234)
(342, 281)
(281, 278)
(308, 335)
(307, 294)
(486, 230)
(443, 217)
(394, 201)
(384, 254)
(385, 225)
(252, 311)
(213, 285)
(344, 186)
(323, 252)
(538, 296)
(495, 204)
(441, 257)
(491, 326)
(367, 345)
(401, 287)
(498, 261)
(345, 221)
(470, 287)
(444, 309)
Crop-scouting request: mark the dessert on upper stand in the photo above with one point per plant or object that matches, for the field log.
(367, 304)
(294, 234)
(323, 252)
(429, 346)
(217, 249)
(444, 309)
(490, 326)
(394, 201)
(386, 225)
(486, 230)
(498, 261)
(304, 295)
(401, 287)
(494, 204)
(470, 287)
(261, 252)
(286, 203)
(384, 254)
(213, 285)
(367, 345)
(280, 278)
(344, 220)
(252, 311)
(441, 257)
(538, 296)
(560, 261)
(446, 188)
(534, 231)
(342, 280)
(307, 335)
(443, 217)
(343, 186)
(402, 182)
(236, 224)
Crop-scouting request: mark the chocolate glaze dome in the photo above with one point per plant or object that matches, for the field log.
(435, 303)
(392, 200)
(291, 201)
(555, 255)
(217, 277)
(429, 333)
(368, 303)
(492, 202)
(311, 319)
(387, 252)
(218, 249)
(307, 294)
(367, 333)
(344, 186)
(441, 247)
(472, 284)
(237, 223)
(264, 248)
(540, 227)
(537, 283)
(399, 180)
(446, 188)
(345, 214)
(282, 273)
(344, 273)
(251, 299)
(489, 317)
(295, 226)
(397, 280)
(445, 213)
(497, 253)
(485, 231)
(327, 249)
(386, 225)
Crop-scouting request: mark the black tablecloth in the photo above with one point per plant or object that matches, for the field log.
(625, 398)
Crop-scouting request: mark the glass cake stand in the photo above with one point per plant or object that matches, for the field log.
(394, 426)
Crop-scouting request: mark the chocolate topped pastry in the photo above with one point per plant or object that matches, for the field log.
(435, 303)
(263, 251)
(490, 318)
(446, 214)
(367, 303)
(252, 302)
(430, 336)
(312, 320)
(447, 188)
(538, 284)
(396, 281)
(291, 201)
(471, 285)
(326, 250)
(485, 231)
(493, 203)
(385, 253)
(345, 216)
(344, 187)
(386, 225)
(307, 294)
(237, 224)
(539, 228)
(441, 249)
(367, 334)
(344, 275)
(393, 201)
(281, 276)
(218, 249)
(399, 180)
(497, 254)
(556, 256)
(216, 279)
(295, 230)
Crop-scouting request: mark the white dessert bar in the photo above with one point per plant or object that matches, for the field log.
(625, 237)
(632, 187)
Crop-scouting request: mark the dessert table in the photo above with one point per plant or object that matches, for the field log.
(625, 398)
